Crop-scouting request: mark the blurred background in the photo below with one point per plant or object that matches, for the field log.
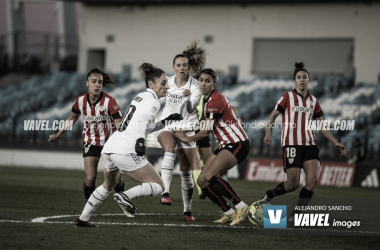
(47, 47)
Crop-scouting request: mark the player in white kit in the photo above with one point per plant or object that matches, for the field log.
(124, 151)
(183, 97)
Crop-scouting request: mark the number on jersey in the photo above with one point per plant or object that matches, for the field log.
(127, 117)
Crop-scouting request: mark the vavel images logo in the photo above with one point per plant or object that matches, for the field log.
(275, 216)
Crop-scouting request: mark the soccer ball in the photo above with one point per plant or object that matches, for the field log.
(256, 212)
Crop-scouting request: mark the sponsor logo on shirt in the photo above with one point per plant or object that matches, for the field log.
(212, 109)
(99, 118)
(176, 99)
(302, 109)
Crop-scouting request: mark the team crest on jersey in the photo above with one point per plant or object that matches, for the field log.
(154, 110)
(291, 160)
(115, 107)
(102, 108)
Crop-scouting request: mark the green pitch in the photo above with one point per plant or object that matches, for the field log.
(38, 207)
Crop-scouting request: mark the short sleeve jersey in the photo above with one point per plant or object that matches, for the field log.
(227, 128)
(136, 123)
(297, 115)
(176, 103)
(98, 118)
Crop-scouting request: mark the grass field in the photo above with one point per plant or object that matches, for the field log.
(27, 194)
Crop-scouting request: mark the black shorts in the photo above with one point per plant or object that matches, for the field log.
(295, 156)
(239, 149)
(91, 150)
(204, 142)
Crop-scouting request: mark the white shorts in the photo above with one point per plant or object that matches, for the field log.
(180, 144)
(125, 163)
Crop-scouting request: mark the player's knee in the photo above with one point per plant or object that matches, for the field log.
(311, 182)
(292, 186)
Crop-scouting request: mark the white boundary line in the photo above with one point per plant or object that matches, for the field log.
(43, 220)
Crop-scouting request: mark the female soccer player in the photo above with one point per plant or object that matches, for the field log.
(101, 116)
(233, 148)
(298, 108)
(183, 98)
(125, 149)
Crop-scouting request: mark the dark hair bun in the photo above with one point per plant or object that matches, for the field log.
(299, 65)
(151, 73)
(147, 67)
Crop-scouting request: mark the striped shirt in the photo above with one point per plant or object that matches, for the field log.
(98, 118)
(227, 128)
(296, 112)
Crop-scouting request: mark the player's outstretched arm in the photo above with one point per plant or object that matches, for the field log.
(331, 138)
(203, 133)
(69, 122)
(271, 120)
(161, 124)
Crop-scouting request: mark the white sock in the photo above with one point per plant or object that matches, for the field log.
(187, 185)
(241, 204)
(96, 198)
(229, 212)
(144, 189)
(167, 167)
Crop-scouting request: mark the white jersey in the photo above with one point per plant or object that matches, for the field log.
(176, 103)
(137, 122)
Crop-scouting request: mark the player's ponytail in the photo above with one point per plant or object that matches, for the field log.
(195, 55)
(150, 72)
(299, 67)
(107, 78)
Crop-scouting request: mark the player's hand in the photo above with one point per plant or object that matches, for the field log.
(342, 148)
(186, 92)
(180, 135)
(140, 147)
(267, 140)
(53, 138)
(172, 117)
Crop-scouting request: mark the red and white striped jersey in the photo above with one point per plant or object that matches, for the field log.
(227, 128)
(98, 118)
(296, 112)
